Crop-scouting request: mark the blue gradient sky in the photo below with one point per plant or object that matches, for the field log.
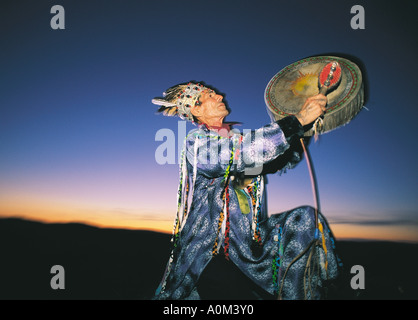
(77, 127)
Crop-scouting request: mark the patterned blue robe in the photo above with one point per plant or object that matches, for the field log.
(206, 163)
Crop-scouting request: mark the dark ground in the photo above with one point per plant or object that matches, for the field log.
(125, 264)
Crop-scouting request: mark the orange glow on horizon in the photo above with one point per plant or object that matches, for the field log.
(383, 233)
(50, 212)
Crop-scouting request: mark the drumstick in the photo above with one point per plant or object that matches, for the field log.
(328, 79)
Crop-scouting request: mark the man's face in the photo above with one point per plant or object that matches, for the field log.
(211, 106)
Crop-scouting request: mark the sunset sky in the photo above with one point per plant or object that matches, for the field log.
(78, 130)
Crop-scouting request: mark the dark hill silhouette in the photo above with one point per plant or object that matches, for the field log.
(128, 264)
(98, 263)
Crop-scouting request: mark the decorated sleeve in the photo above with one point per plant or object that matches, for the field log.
(291, 128)
(293, 131)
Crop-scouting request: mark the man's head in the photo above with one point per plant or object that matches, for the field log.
(209, 109)
(193, 102)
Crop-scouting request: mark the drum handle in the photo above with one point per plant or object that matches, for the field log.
(323, 90)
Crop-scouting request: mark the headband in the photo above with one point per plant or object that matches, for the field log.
(179, 99)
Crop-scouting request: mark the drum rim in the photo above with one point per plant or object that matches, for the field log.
(351, 94)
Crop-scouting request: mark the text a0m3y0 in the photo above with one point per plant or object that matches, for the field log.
(211, 309)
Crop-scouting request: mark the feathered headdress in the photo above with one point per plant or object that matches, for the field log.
(178, 100)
